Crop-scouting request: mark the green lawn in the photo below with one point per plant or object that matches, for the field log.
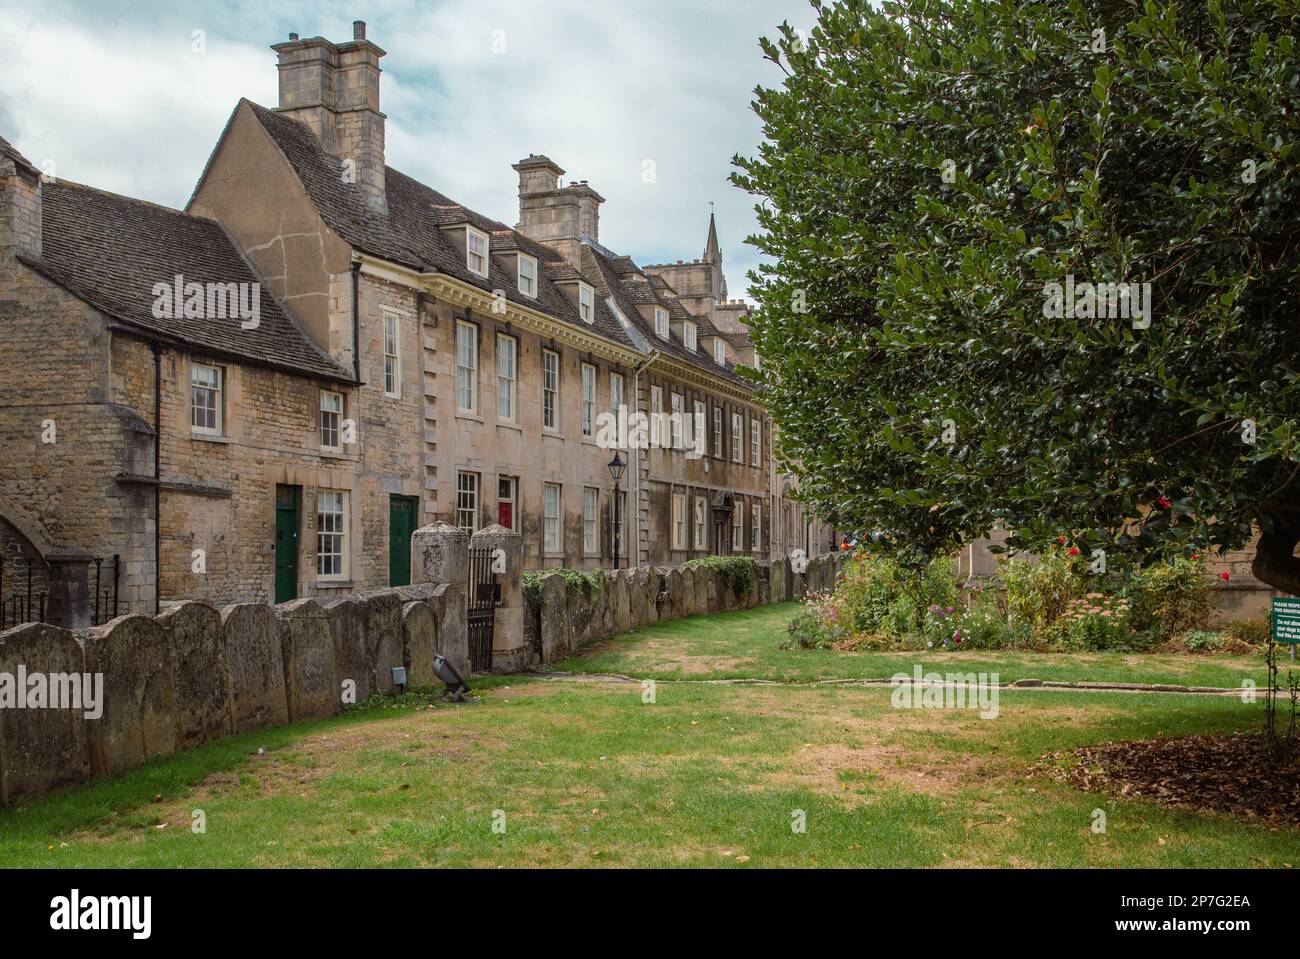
(586, 772)
(747, 645)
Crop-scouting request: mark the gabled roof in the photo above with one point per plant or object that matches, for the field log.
(111, 250)
(412, 234)
(8, 150)
(630, 287)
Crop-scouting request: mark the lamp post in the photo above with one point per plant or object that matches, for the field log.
(616, 468)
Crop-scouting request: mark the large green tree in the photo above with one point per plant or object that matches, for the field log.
(937, 175)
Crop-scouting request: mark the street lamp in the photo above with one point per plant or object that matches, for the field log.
(616, 468)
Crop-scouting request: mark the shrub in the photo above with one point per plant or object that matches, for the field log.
(575, 580)
(1170, 599)
(739, 573)
(1095, 621)
(807, 632)
(1252, 632)
(1038, 593)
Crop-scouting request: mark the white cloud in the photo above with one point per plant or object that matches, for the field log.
(119, 99)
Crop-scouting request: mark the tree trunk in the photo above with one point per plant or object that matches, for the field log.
(1275, 562)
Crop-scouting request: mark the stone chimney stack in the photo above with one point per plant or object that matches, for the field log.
(560, 217)
(20, 206)
(334, 90)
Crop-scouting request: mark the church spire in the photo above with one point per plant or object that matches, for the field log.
(712, 252)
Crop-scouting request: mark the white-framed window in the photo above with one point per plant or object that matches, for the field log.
(507, 502)
(476, 251)
(661, 323)
(616, 403)
(679, 521)
(755, 526)
(688, 335)
(675, 421)
(697, 427)
(755, 441)
(550, 390)
(552, 529)
(467, 501)
(527, 275)
(588, 399)
(507, 354)
(392, 355)
(331, 421)
(590, 521)
(206, 403)
(586, 303)
(656, 412)
(466, 367)
(331, 534)
(717, 432)
(720, 351)
(738, 526)
(701, 527)
(737, 438)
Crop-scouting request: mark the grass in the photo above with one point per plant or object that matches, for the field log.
(587, 772)
(746, 645)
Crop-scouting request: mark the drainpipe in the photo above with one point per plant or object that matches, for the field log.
(356, 323)
(636, 403)
(157, 476)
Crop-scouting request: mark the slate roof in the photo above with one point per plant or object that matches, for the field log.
(411, 234)
(110, 250)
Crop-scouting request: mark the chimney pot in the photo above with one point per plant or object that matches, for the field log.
(293, 36)
(358, 29)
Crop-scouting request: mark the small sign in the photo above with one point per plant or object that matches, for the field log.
(1286, 620)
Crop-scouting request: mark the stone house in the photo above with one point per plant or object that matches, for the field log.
(412, 360)
(136, 420)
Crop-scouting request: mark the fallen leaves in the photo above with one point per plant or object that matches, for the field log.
(1227, 774)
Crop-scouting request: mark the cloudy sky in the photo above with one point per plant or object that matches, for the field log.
(121, 95)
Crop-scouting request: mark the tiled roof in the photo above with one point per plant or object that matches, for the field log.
(111, 250)
(411, 234)
(631, 288)
(8, 150)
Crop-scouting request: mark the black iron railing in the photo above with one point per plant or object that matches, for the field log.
(24, 598)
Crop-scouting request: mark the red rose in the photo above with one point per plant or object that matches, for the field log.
(1164, 503)
(1223, 576)
(1074, 551)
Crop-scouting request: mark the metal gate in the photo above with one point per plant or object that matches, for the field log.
(481, 613)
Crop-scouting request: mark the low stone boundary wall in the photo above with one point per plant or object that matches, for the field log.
(566, 618)
(196, 674)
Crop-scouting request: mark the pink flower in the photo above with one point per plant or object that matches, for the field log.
(1074, 551)
(1164, 503)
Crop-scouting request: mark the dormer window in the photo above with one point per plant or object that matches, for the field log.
(586, 303)
(527, 275)
(476, 251)
(661, 323)
(720, 352)
(688, 335)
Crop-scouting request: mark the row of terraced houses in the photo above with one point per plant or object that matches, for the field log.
(262, 396)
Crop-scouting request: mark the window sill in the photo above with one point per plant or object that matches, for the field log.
(209, 437)
(467, 415)
(334, 584)
(338, 455)
(505, 425)
(553, 434)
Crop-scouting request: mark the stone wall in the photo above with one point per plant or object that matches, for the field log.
(197, 674)
(628, 599)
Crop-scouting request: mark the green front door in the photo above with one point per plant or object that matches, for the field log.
(401, 524)
(286, 543)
